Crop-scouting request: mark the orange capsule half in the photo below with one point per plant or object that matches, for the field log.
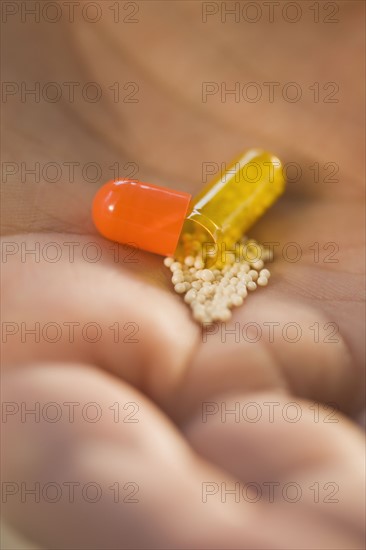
(140, 214)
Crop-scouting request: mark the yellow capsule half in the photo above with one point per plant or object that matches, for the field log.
(229, 205)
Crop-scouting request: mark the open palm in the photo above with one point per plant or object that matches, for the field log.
(103, 311)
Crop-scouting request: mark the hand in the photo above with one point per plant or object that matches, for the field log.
(171, 363)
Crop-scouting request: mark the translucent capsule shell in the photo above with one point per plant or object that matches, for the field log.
(230, 204)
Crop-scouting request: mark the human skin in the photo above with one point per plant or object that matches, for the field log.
(171, 371)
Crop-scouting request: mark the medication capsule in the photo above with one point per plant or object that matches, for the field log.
(230, 204)
(168, 222)
(141, 214)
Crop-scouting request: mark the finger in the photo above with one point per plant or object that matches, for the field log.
(133, 327)
(102, 481)
(254, 352)
(76, 299)
(171, 511)
(273, 440)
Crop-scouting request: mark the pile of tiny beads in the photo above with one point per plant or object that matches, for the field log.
(212, 293)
